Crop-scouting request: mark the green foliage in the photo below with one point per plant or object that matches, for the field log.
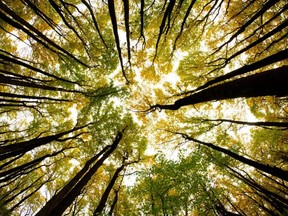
(173, 187)
(60, 69)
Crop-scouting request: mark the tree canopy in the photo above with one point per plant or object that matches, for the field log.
(118, 107)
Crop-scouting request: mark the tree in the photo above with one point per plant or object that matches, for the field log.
(64, 198)
(261, 84)
(74, 74)
(23, 147)
(263, 167)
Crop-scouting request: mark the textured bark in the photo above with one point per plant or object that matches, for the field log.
(21, 63)
(65, 197)
(23, 147)
(94, 21)
(166, 16)
(116, 36)
(269, 83)
(107, 191)
(28, 29)
(264, 9)
(275, 171)
(280, 56)
(260, 124)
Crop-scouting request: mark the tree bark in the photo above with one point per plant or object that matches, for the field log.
(33, 29)
(141, 23)
(115, 200)
(23, 147)
(126, 18)
(116, 36)
(183, 24)
(18, 62)
(275, 171)
(107, 191)
(264, 9)
(23, 169)
(269, 83)
(279, 56)
(166, 16)
(279, 202)
(260, 124)
(64, 198)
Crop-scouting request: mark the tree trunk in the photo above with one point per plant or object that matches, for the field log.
(269, 83)
(276, 200)
(17, 82)
(115, 200)
(23, 147)
(275, 171)
(107, 191)
(11, 95)
(25, 168)
(280, 125)
(126, 18)
(31, 67)
(264, 9)
(95, 22)
(116, 35)
(167, 15)
(29, 29)
(277, 57)
(64, 198)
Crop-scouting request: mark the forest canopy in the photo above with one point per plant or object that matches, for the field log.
(145, 107)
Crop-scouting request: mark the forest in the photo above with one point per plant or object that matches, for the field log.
(144, 107)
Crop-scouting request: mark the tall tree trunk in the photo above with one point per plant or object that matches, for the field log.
(260, 13)
(183, 23)
(65, 197)
(6, 58)
(272, 82)
(276, 200)
(107, 191)
(23, 147)
(275, 171)
(126, 18)
(12, 95)
(26, 167)
(116, 35)
(17, 82)
(94, 21)
(28, 29)
(269, 124)
(166, 16)
(277, 57)
(115, 200)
